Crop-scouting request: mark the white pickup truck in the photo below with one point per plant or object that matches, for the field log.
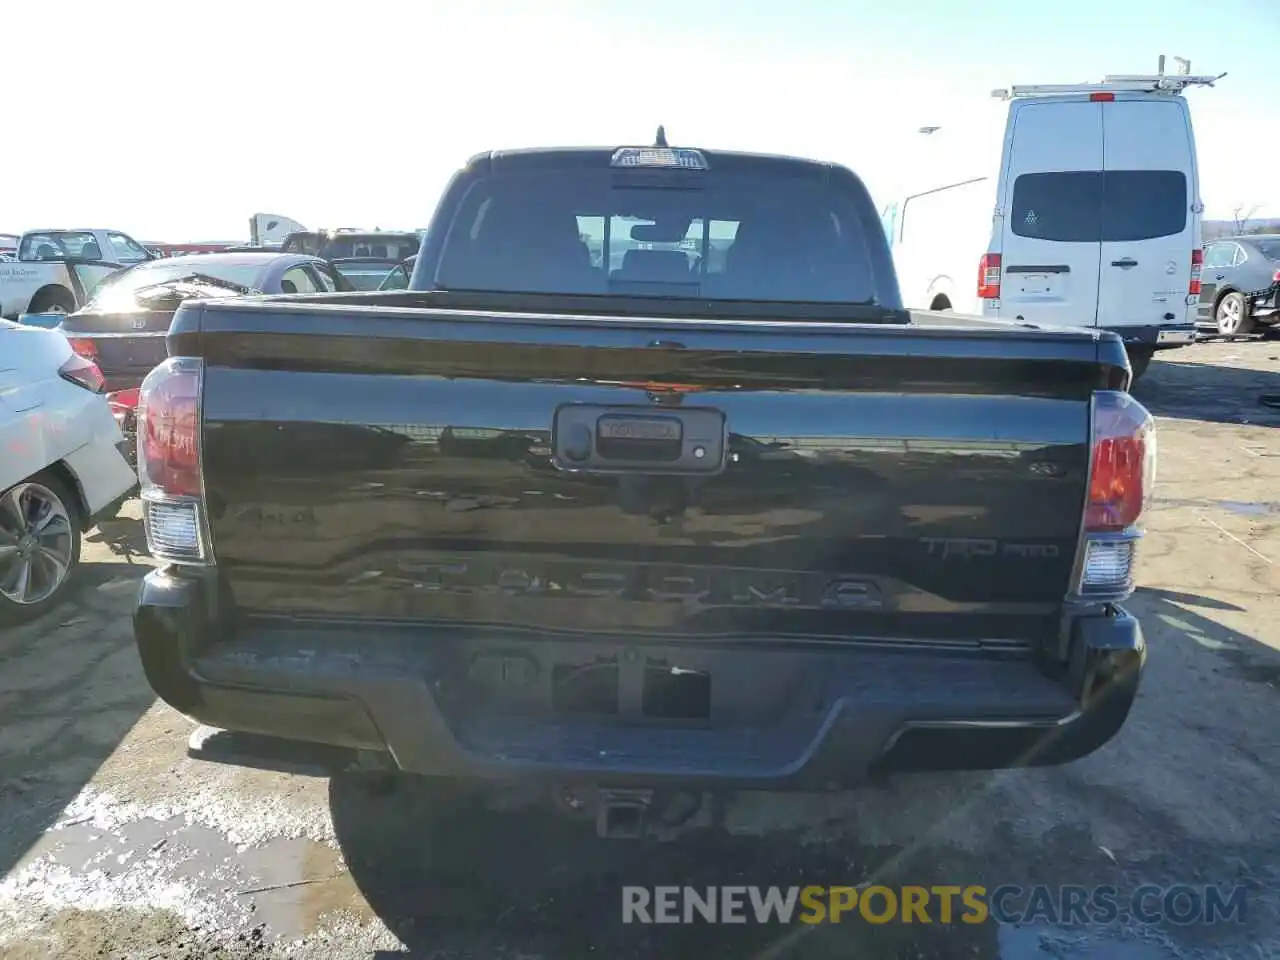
(56, 271)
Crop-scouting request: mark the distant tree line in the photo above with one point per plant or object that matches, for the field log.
(1214, 229)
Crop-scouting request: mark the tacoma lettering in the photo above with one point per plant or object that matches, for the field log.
(760, 588)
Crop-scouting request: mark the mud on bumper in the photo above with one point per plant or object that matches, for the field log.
(766, 716)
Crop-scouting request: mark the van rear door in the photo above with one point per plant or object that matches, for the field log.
(1148, 231)
(1051, 244)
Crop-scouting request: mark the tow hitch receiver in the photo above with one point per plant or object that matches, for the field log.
(623, 814)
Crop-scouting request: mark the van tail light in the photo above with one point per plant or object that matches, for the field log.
(989, 277)
(169, 466)
(1122, 470)
(83, 373)
(1275, 277)
(84, 347)
(1197, 265)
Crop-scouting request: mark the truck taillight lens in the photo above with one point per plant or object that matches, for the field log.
(1197, 264)
(83, 373)
(172, 488)
(1121, 474)
(1124, 462)
(989, 277)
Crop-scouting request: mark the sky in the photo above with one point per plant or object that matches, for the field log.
(178, 121)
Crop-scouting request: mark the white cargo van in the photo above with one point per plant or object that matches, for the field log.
(1092, 217)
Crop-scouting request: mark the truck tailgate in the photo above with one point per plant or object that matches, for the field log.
(920, 483)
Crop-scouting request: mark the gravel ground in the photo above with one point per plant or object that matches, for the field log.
(114, 844)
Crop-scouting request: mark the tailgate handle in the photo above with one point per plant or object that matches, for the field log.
(1126, 263)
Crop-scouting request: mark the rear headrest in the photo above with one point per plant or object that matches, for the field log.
(528, 226)
(91, 251)
(671, 266)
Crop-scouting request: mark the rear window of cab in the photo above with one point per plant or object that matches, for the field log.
(718, 235)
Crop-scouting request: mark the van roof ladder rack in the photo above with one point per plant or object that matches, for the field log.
(1161, 82)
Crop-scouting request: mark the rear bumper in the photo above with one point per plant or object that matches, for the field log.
(778, 717)
(1156, 336)
(1266, 303)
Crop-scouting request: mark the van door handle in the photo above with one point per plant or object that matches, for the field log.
(1125, 263)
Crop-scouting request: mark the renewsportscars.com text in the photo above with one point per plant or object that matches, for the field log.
(1063, 905)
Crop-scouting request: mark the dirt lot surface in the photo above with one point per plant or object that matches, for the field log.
(114, 844)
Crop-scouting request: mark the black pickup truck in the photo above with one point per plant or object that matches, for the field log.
(647, 481)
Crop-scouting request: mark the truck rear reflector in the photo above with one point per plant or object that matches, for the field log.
(169, 461)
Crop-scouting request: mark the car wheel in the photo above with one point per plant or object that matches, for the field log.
(39, 546)
(56, 300)
(1232, 316)
(1139, 360)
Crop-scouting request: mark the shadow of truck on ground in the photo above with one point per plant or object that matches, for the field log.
(451, 872)
(1209, 392)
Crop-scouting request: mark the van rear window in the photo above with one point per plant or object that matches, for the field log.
(720, 236)
(1090, 206)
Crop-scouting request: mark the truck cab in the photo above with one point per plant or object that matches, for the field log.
(57, 270)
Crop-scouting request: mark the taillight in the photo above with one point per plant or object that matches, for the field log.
(122, 403)
(168, 417)
(1197, 264)
(83, 373)
(84, 348)
(123, 399)
(1121, 473)
(1275, 277)
(1102, 97)
(989, 276)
